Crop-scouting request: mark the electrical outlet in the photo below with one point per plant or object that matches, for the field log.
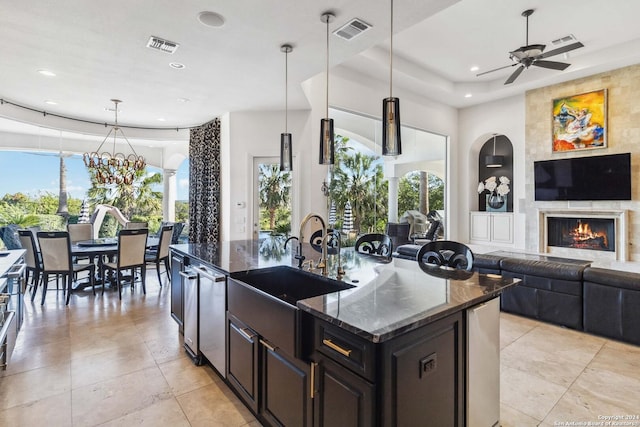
(428, 364)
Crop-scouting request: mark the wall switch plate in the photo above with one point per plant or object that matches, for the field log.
(428, 364)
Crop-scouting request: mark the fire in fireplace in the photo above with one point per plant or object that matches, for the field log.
(581, 233)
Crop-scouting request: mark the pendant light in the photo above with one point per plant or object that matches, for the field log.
(391, 145)
(494, 161)
(285, 138)
(326, 124)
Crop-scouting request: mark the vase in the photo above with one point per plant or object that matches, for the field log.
(495, 201)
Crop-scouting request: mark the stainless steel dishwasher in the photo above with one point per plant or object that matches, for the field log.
(213, 310)
(190, 314)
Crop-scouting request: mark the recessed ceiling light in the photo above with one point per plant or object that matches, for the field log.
(50, 102)
(211, 19)
(160, 119)
(468, 95)
(176, 65)
(47, 73)
(183, 100)
(474, 68)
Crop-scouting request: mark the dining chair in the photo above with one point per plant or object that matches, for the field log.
(55, 249)
(80, 232)
(32, 257)
(446, 254)
(132, 244)
(135, 225)
(376, 244)
(161, 252)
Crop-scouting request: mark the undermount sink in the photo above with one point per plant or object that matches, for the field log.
(289, 284)
(265, 300)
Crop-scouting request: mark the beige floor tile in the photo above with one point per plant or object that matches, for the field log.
(27, 357)
(109, 400)
(47, 412)
(182, 377)
(528, 393)
(620, 358)
(162, 413)
(513, 327)
(215, 405)
(166, 349)
(595, 393)
(33, 385)
(510, 417)
(110, 364)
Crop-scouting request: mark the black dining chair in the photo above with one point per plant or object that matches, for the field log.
(55, 248)
(376, 244)
(446, 254)
(32, 258)
(161, 252)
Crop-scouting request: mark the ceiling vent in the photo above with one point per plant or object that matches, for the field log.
(162, 45)
(352, 29)
(565, 39)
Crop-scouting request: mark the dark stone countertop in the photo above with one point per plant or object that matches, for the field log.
(388, 299)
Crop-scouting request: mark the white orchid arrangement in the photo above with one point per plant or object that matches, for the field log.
(491, 185)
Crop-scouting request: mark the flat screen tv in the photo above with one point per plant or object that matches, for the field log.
(584, 178)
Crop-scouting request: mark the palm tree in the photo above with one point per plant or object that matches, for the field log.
(275, 190)
(63, 209)
(138, 198)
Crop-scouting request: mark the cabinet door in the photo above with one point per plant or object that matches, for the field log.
(502, 228)
(177, 266)
(286, 388)
(424, 376)
(480, 227)
(343, 398)
(242, 361)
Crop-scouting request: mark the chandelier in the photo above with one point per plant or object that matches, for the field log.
(114, 167)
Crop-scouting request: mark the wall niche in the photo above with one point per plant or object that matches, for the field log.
(500, 147)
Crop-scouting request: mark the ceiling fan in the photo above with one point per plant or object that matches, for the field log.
(534, 54)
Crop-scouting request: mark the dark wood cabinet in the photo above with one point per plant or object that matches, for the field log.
(416, 378)
(177, 303)
(286, 388)
(275, 385)
(343, 398)
(242, 361)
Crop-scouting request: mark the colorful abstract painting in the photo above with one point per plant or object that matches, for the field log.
(580, 121)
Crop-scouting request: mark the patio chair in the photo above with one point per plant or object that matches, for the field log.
(32, 256)
(80, 232)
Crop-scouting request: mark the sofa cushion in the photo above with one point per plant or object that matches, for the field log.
(619, 279)
(547, 269)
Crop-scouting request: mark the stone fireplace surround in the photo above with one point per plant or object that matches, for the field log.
(620, 217)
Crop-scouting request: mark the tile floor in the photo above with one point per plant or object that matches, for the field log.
(104, 362)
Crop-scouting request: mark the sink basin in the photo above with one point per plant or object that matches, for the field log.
(289, 284)
(265, 300)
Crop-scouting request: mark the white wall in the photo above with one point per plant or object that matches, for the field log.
(476, 124)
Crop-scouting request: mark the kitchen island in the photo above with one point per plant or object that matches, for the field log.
(392, 347)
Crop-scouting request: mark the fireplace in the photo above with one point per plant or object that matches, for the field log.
(595, 234)
(584, 233)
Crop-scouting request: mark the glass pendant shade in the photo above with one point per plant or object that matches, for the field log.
(285, 152)
(326, 142)
(391, 143)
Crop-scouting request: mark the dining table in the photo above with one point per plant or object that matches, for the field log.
(99, 249)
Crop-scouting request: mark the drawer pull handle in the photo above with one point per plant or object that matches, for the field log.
(336, 347)
(244, 332)
(266, 344)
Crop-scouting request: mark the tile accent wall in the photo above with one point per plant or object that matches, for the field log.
(623, 123)
(204, 183)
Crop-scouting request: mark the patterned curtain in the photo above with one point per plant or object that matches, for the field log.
(204, 183)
